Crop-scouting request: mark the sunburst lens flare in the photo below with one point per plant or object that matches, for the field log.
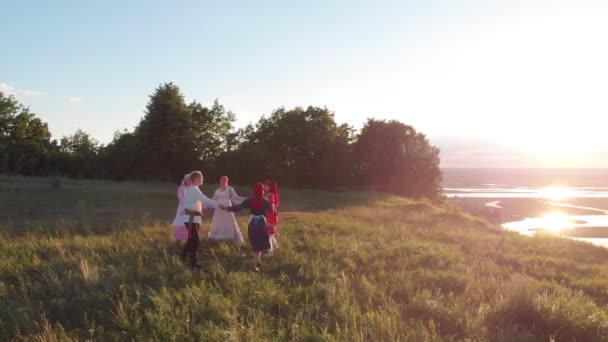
(556, 222)
(556, 193)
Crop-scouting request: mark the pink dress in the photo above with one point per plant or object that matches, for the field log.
(180, 231)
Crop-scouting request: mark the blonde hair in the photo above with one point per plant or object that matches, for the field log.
(186, 181)
(195, 175)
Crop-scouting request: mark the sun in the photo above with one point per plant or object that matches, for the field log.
(556, 222)
(556, 193)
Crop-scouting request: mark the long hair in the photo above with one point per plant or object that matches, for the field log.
(186, 181)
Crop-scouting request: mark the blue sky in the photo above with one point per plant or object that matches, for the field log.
(460, 71)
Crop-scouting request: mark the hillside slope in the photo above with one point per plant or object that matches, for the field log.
(95, 261)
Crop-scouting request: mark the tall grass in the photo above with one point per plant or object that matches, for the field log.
(352, 267)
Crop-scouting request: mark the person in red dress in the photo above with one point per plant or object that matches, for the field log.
(272, 217)
(259, 239)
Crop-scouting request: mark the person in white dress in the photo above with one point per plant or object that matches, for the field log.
(224, 227)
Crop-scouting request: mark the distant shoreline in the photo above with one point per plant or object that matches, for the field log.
(525, 177)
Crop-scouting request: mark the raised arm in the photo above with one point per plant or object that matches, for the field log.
(209, 203)
(246, 204)
(234, 197)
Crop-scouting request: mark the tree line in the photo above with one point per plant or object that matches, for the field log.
(302, 147)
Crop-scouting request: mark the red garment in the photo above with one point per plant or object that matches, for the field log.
(275, 193)
(258, 196)
(272, 217)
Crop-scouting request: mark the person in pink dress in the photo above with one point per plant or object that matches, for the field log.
(180, 232)
(272, 217)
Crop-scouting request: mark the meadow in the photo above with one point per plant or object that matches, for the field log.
(92, 260)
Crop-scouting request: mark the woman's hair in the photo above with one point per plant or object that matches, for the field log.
(186, 181)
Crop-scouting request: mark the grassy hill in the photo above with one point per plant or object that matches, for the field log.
(91, 260)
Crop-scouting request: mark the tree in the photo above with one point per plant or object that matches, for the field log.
(164, 143)
(118, 155)
(9, 108)
(78, 156)
(211, 128)
(24, 139)
(305, 147)
(80, 143)
(172, 138)
(393, 157)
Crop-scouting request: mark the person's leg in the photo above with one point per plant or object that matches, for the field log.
(194, 249)
(256, 260)
(188, 245)
(270, 250)
(273, 242)
(274, 237)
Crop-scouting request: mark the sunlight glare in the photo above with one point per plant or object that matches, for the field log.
(556, 192)
(555, 222)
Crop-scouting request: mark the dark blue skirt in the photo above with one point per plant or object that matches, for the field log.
(258, 234)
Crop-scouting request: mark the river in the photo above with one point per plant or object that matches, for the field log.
(592, 226)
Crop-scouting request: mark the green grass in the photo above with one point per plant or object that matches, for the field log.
(95, 260)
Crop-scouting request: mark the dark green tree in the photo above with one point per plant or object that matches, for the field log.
(78, 155)
(305, 147)
(164, 141)
(211, 130)
(80, 144)
(25, 141)
(171, 139)
(118, 156)
(392, 157)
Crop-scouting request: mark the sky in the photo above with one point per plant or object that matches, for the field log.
(492, 83)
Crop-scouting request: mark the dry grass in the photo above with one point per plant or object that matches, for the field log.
(366, 268)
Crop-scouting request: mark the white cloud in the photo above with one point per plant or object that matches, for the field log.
(74, 99)
(10, 90)
(30, 93)
(7, 89)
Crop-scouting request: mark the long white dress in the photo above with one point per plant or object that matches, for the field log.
(223, 225)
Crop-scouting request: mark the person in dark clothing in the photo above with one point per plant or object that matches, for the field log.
(258, 227)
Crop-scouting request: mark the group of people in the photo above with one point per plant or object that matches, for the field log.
(263, 222)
